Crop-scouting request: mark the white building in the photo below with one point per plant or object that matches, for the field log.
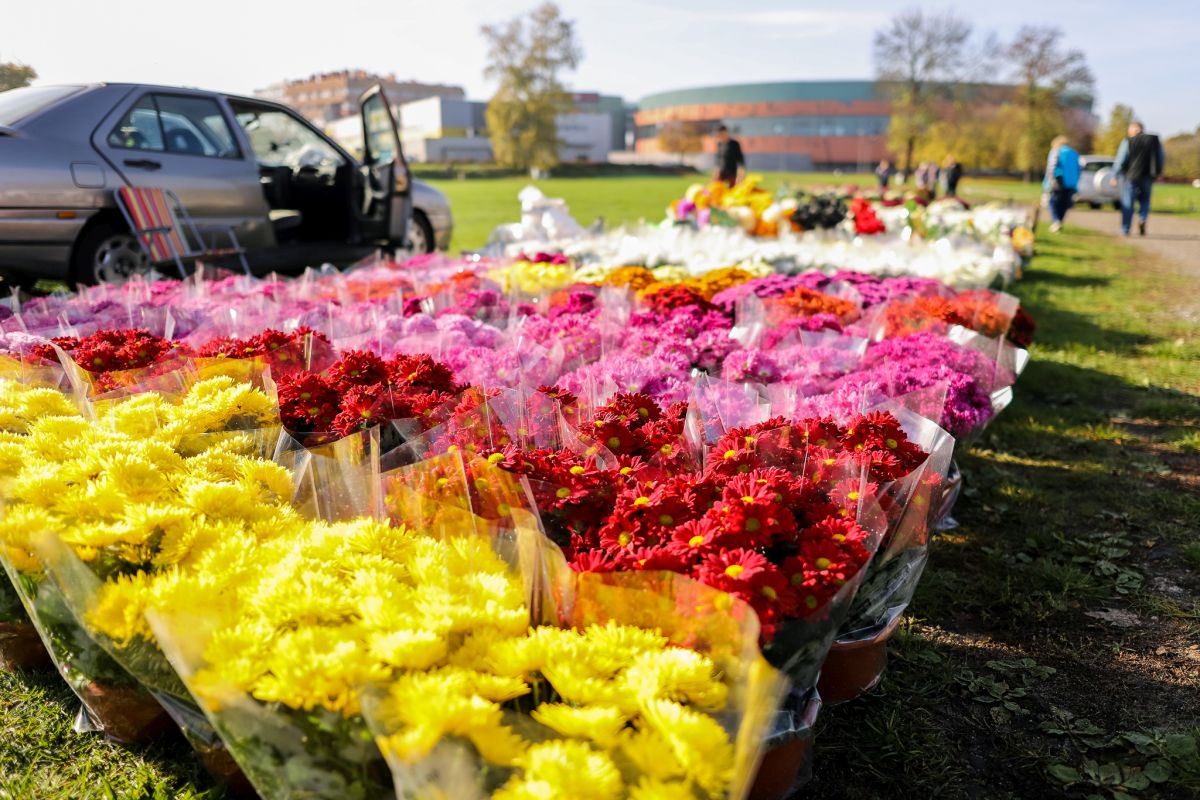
(584, 136)
(453, 130)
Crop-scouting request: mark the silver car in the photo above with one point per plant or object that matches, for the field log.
(1098, 183)
(292, 194)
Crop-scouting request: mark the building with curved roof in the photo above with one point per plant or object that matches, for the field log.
(794, 125)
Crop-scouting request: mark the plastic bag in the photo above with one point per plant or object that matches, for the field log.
(909, 505)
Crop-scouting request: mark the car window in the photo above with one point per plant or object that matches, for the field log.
(195, 126)
(17, 104)
(381, 135)
(280, 140)
(179, 124)
(1096, 166)
(139, 130)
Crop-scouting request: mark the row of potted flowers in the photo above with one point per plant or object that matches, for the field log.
(848, 209)
(121, 525)
(777, 450)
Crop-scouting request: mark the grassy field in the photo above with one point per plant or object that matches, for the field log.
(1053, 648)
(482, 204)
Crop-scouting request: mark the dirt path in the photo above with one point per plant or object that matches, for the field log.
(1174, 238)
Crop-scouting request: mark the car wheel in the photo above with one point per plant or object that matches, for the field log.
(420, 234)
(1094, 204)
(107, 253)
(1116, 205)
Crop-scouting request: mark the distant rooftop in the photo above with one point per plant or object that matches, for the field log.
(843, 91)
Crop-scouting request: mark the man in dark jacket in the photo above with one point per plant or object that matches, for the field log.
(731, 164)
(1139, 163)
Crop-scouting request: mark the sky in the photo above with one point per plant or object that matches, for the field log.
(1143, 57)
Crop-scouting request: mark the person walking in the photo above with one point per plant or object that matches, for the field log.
(884, 172)
(951, 175)
(1139, 163)
(926, 177)
(1062, 179)
(731, 163)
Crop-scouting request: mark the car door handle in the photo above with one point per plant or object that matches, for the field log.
(143, 163)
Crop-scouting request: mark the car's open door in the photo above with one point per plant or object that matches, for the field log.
(386, 182)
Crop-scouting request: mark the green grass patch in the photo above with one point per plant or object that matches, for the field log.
(1081, 500)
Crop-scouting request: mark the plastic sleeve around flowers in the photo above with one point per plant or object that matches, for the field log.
(319, 752)
(464, 760)
(335, 481)
(910, 506)
(114, 702)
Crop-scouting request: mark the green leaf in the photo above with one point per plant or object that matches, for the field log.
(1064, 773)
(1179, 745)
(1110, 773)
(1143, 743)
(1158, 771)
(1135, 780)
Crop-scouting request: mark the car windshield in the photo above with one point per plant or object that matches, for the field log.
(17, 104)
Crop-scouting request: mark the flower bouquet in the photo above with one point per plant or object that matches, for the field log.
(147, 477)
(22, 404)
(909, 503)
(643, 689)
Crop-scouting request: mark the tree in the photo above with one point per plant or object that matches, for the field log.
(14, 75)
(917, 55)
(978, 133)
(1046, 74)
(1183, 156)
(680, 137)
(527, 55)
(1115, 131)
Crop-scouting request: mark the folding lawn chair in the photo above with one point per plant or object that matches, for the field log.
(154, 216)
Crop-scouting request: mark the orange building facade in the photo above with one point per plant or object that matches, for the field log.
(792, 126)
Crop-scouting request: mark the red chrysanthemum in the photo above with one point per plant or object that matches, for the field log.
(421, 371)
(359, 368)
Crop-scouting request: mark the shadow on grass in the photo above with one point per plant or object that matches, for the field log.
(1069, 508)
(1046, 276)
(928, 731)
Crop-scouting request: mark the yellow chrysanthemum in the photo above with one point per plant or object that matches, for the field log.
(699, 744)
(601, 724)
(571, 768)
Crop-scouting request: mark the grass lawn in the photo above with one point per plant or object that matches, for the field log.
(481, 204)
(1053, 648)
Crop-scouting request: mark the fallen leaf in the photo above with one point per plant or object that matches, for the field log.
(1116, 616)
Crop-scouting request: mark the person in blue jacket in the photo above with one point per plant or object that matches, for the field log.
(1062, 179)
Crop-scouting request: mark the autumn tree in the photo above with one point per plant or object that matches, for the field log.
(680, 137)
(1117, 128)
(1046, 74)
(1183, 156)
(527, 56)
(918, 57)
(977, 132)
(14, 75)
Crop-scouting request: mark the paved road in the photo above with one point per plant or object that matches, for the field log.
(1167, 236)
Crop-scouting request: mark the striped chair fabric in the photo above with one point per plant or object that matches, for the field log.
(155, 223)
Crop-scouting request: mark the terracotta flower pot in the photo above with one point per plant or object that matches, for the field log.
(22, 648)
(125, 715)
(787, 766)
(854, 668)
(220, 764)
